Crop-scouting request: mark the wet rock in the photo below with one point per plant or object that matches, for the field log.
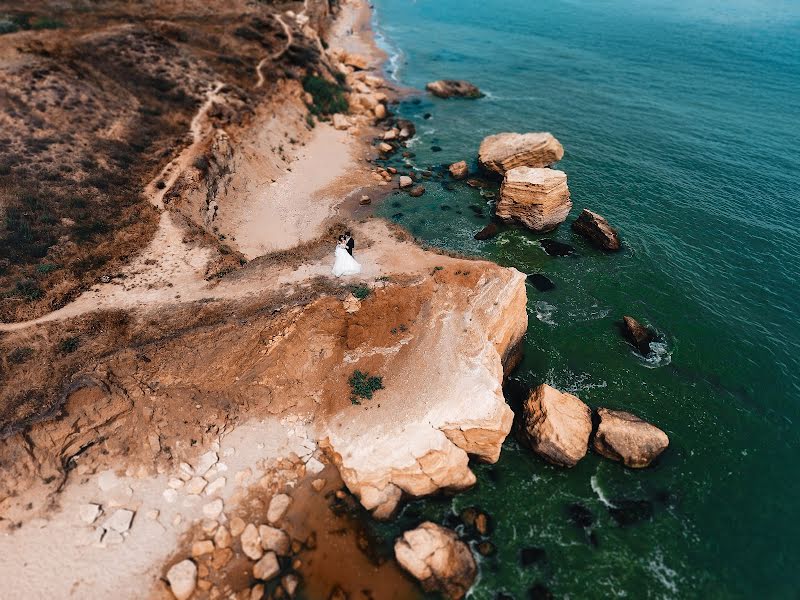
(557, 425)
(448, 186)
(540, 282)
(438, 559)
(487, 232)
(266, 568)
(540, 591)
(474, 518)
(451, 88)
(638, 335)
(537, 198)
(580, 515)
(459, 170)
(182, 578)
(274, 539)
(278, 507)
(427, 116)
(365, 200)
(251, 542)
(502, 152)
(290, 583)
(337, 593)
(556, 248)
(486, 548)
(406, 181)
(416, 191)
(436, 148)
(407, 129)
(625, 437)
(631, 512)
(385, 148)
(532, 556)
(597, 230)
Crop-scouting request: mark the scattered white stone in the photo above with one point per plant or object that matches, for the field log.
(120, 521)
(251, 542)
(87, 537)
(205, 462)
(89, 512)
(215, 486)
(175, 483)
(313, 466)
(182, 579)
(196, 485)
(112, 538)
(201, 548)
(213, 509)
(405, 181)
(153, 514)
(266, 568)
(209, 526)
(274, 539)
(277, 507)
(107, 480)
(185, 471)
(222, 539)
(170, 495)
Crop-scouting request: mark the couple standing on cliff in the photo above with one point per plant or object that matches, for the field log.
(345, 264)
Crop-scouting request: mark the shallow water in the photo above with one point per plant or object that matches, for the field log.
(680, 121)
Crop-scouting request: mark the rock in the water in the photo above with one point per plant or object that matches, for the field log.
(540, 282)
(557, 425)
(277, 507)
(536, 198)
(416, 191)
(502, 152)
(625, 437)
(182, 579)
(365, 200)
(532, 556)
(630, 512)
(407, 129)
(251, 542)
(438, 559)
(459, 170)
(451, 88)
(580, 515)
(597, 230)
(274, 539)
(120, 521)
(266, 568)
(487, 232)
(406, 181)
(556, 248)
(638, 335)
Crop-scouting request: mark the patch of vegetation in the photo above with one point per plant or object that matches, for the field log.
(26, 21)
(70, 344)
(20, 355)
(360, 291)
(46, 268)
(29, 289)
(363, 385)
(328, 97)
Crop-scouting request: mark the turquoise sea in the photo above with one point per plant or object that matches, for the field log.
(680, 121)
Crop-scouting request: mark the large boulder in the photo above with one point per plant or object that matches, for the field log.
(182, 578)
(625, 437)
(504, 151)
(438, 559)
(557, 425)
(536, 198)
(450, 88)
(597, 230)
(638, 335)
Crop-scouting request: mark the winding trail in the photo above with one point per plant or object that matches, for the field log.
(275, 56)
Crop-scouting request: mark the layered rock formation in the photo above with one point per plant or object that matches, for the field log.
(557, 425)
(597, 230)
(536, 198)
(625, 437)
(638, 335)
(438, 559)
(504, 151)
(449, 88)
(430, 420)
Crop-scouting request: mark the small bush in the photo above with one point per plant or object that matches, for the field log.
(46, 23)
(29, 289)
(328, 97)
(362, 385)
(20, 355)
(360, 291)
(70, 344)
(46, 268)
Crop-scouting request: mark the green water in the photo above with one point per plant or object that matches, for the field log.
(680, 123)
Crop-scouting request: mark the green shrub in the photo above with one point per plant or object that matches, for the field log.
(328, 97)
(70, 344)
(29, 289)
(20, 355)
(46, 268)
(362, 385)
(360, 291)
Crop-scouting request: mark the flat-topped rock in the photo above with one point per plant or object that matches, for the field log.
(625, 437)
(451, 88)
(502, 152)
(438, 559)
(597, 230)
(557, 425)
(534, 197)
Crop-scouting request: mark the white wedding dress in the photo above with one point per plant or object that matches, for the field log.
(345, 264)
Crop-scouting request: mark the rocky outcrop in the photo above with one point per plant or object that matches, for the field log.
(638, 335)
(420, 439)
(502, 152)
(557, 425)
(487, 232)
(625, 437)
(536, 198)
(459, 170)
(597, 230)
(450, 88)
(438, 559)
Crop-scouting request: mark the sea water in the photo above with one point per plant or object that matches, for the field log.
(680, 120)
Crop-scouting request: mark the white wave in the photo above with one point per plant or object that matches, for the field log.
(600, 493)
(666, 576)
(545, 312)
(660, 355)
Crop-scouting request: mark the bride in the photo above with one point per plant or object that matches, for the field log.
(345, 264)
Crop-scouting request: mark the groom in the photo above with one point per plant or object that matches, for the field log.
(351, 243)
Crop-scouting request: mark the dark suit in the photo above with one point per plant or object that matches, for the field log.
(351, 243)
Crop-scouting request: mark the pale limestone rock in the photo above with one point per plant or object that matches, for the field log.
(209, 526)
(438, 559)
(274, 539)
(202, 547)
(215, 486)
(351, 304)
(237, 526)
(557, 425)
(175, 483)
(170, 495)
(89, 512)
(222, 538)
(502, 152)
(278, 507)
(182, 578)
(112, 538)
(535, 198)
(205, 462)
(251, 542)
(406, 181)
(313, 466)
(385, 148)
(340, 121)
(625, 437)
(120, 521)
(459, 170)
(380, 112)
(213, 509)
(196, 485)
(266, 568)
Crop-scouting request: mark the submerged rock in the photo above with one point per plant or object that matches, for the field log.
(638, 335)
(487, 232)
(438, 559)
(533, 197)
(597, 230)
(556, 248)
(502, 152)
(580, 515)
(451, 88)
(557, 425)
(540, 282)
(532, 556)
(631, 512)
(416, 191)
(625, 437)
